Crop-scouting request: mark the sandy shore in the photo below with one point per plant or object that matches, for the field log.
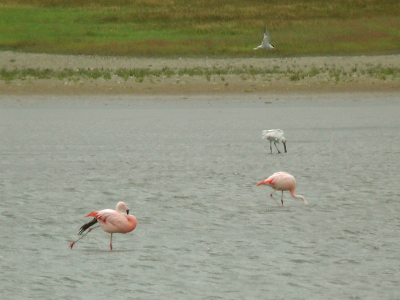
(198, 84)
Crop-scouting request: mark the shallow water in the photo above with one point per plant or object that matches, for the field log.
(188, 167)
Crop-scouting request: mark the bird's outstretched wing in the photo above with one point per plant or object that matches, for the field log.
(86, 226)
(266, 39)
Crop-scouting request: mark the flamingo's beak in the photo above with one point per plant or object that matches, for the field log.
(127, 211)
(284, 145)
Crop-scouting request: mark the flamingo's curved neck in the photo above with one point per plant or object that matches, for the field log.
(298, 197)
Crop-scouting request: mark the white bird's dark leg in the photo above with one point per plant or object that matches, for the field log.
(282, 198)
(73, 243)
(270, 146)
(277, 147)
(111, 242)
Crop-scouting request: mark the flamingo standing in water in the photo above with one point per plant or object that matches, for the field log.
(112, 221)
(282, 181)
(276, 136)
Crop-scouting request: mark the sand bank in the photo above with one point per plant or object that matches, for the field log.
(348, 81)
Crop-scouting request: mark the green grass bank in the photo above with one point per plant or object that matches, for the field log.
(164, 28)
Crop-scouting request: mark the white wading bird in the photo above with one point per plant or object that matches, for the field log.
(265, 42)
(276, 136)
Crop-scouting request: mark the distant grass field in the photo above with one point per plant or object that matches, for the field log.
(220, 28)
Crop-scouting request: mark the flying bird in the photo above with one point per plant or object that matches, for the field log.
(112, 221)
(276, 136)
(265, 42)
(282, 181)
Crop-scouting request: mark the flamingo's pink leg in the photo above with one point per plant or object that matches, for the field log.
(73, 243)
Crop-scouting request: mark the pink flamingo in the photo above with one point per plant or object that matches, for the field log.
(282, 181)
(112, 221)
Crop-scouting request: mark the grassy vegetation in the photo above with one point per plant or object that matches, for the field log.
(220, 28)
(331, 73)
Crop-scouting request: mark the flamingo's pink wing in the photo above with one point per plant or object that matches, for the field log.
(110, 216)
(275, 178)
(271, 180)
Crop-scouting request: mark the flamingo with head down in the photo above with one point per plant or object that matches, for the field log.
(282, 181)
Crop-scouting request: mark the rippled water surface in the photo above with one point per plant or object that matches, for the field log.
(188, 167)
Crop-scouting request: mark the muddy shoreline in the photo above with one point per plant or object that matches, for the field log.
(185, 84)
